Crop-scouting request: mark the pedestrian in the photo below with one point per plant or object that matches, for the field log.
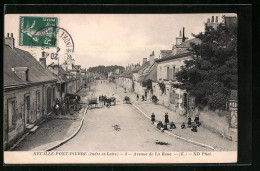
(189, 122)
(172, 125)
(166, 118)
(159, 125)
(165, 126)
(153, 118)
(142, 97)
(56, 107)
(137, 97)
(197, 121)
(194, 128)
(183, 126)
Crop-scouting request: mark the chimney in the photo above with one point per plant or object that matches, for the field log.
(22, 72)
(10, 40)
(144, 60)
(43, 62)
(183, 35)
(151, 58)
(212, 19)
(178, 39)
(216, 19)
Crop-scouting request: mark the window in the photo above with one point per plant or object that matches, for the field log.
(168, 73)
(38, 101)
(173, 72)
(11, 112)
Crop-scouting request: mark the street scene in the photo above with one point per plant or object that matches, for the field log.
(120, 84)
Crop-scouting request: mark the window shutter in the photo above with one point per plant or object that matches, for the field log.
(170, 74)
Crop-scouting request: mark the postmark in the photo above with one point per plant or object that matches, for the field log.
(56, 48)
(29, 31)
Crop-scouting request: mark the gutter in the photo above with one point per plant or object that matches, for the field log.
(15, 87)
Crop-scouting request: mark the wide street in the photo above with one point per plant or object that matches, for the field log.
(121, 128)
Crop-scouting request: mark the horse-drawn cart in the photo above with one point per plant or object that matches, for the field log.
(112, 100)
(127, 100)
(92, 102)
(72, 101)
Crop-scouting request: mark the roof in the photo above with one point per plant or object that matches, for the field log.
(141, 69)
(127, 74)
(176, 56)
(20, 58)
(151, 74)
(187, 44)
(165, 53)
(62, 74)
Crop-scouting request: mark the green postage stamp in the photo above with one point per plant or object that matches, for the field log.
(38, 31)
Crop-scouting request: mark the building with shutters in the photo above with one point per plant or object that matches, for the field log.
(167, 66)
(29, 91)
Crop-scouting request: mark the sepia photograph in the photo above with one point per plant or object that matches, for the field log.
(120, 88)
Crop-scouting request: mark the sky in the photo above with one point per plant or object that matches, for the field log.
(118, 39)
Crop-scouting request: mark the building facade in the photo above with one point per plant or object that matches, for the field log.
(29, 92)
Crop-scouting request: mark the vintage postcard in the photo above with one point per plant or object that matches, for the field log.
(120, 88)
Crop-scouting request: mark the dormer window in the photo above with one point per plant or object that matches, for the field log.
(27, 75)
(22, 73)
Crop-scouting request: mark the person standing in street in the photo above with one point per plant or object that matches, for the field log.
(166, 118)
(137, 97)
(189, 122)
(153, 118)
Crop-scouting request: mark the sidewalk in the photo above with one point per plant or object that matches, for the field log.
(55, 128)
(203, 135)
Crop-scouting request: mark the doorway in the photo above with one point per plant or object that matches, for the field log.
(49, 98)
(185, 103)
(27, 109)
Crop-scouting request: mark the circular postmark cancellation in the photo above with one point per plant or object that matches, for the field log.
(52, 42)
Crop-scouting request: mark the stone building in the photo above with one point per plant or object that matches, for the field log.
(167, 67)
(29, 91)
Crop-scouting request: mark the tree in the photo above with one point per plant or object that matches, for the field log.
(212, 73)
(105, 69)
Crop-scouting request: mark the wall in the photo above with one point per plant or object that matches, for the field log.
(126, 83)
(17, 129)
(161, 67)
(138, 88)
(71, 87)
(212, 121)
(176, 103)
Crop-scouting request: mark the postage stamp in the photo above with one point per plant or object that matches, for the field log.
(30, 25)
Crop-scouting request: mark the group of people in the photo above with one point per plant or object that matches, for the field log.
(63, 106)
(192, 125)
(105, 101)
(60, 107)
(137, 97)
